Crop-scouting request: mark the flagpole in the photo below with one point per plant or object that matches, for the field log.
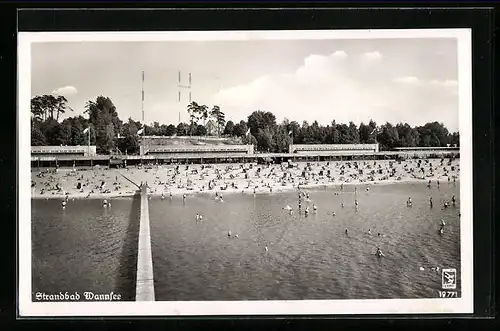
(89, 141)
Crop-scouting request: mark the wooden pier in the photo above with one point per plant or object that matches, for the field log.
(145, 290)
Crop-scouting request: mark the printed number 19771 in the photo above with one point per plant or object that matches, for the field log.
(448, 294)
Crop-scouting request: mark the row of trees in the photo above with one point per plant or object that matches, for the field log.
(108, 132)
(44, 106)
(198, 112)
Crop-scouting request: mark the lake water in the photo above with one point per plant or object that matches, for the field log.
(90, 248)
(85, 247)
(308, 257)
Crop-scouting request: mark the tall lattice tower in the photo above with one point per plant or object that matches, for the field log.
(183, 87)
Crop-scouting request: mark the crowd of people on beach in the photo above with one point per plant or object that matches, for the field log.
(99, 182)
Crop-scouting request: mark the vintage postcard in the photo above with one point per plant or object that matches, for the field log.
(245, 173)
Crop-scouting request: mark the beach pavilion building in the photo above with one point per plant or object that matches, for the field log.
(61, 155)
(192, 149)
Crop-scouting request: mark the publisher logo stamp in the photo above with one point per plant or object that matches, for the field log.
(449, 279)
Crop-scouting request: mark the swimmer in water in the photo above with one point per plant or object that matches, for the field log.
(229, 234)
(379, 253)
(315, 208)
(430, 201)
(307, 211)
(441, 231)
(342, 204)
(409, 202)
(346, 231)
(334, 214)
(287, 207)
(370, 232)
(453, 201)
(184, 197)
(170, 195)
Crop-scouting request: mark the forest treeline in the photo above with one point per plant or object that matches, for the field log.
(108, 132)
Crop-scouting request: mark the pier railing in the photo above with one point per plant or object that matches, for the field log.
(145, 283)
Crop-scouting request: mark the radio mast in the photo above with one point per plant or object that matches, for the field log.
(184, 87)
(142, 106)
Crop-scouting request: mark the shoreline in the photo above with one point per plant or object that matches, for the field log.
(177, 180)
(176, 192)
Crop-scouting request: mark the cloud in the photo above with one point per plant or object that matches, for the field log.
(339, 54)
(329, 87)
(372, 56)
(407, 80)
(66, 91)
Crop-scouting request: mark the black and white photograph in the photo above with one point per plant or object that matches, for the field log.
(242, 173)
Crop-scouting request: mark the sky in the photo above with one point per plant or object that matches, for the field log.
(387, 80)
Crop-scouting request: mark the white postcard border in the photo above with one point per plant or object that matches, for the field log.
(27, 308)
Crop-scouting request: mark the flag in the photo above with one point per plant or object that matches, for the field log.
(248, 132)
(85, 131)
(140, 131)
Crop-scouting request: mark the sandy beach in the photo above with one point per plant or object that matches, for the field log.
(166, 180)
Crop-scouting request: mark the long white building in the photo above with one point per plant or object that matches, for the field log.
(179, 150)
(333, 149)
(62, 151)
